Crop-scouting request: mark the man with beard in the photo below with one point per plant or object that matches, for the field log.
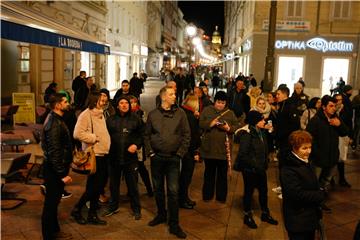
(57, 147)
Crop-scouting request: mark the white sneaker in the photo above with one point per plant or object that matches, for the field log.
(280, 196)
(277, 190)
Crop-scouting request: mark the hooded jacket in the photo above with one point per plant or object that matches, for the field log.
(167, 132)
(125, 130)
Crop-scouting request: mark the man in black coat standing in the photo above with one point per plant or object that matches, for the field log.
(167, 138)
(136, 86)
(239, 101)
(57, 147)
(79, 82)
(325, 128)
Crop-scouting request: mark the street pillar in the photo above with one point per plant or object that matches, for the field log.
(270, 60)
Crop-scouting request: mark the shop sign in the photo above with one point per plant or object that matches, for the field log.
(66, 42)
(318, 44)
(26, 111)
(288, 26)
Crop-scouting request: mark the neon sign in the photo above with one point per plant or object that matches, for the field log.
(318, 44)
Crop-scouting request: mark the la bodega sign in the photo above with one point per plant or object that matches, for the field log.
(318, 44)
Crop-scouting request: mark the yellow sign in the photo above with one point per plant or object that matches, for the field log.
(26, 111)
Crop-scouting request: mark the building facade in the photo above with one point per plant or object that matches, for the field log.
(127, 34)
(51, 41)
(316, 40)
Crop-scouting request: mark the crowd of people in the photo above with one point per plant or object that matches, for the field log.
(308, 138)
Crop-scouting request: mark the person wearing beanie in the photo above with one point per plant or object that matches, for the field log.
(252, 161)
(218, 124)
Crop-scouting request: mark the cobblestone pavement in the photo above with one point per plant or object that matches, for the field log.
(209, 220)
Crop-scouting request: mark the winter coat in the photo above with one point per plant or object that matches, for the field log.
(288, 121)
(239, 102)
(124, 131)
(194, 128)
(57, 145)
(300, 102)
(325, 146)
(301, 195)
(167, 132)
(213, 138)
(90, 127)
(252, 154)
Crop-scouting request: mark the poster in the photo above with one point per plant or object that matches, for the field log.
(26, 111)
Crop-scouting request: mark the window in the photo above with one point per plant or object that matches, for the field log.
(341, 10)
(289, 70)
(294, 9)
(24, 58)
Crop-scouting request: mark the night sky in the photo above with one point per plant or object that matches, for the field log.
(204, 14)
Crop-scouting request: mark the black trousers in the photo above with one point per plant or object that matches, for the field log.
(94, 185)
(254, 180)
(54, 189)
(144, 174)
(309, 235)
(129, 171)
(187, 170)
(166, 168)
(215, 174)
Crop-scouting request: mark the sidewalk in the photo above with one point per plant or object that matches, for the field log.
(210, 220)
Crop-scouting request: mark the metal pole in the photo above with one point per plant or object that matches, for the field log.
(270, 60)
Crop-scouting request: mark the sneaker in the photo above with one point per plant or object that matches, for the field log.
(110, 211)
(66, 195)
(265, 217)
(277, 190)
(43, 189)
(178, 232)
(157, 220)
(280, 196)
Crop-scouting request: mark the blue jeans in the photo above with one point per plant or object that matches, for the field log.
(166, 168)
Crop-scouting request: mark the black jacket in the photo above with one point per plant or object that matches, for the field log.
(253, 149)
(167, 132)
(325, 146)
(195, 130)
(57, 145)
(301, 195)
(288, 121)
(239, 102)
(124, 131)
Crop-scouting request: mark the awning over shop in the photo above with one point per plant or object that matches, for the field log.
(22, 33)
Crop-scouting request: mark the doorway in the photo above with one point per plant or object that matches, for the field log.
(333, 69)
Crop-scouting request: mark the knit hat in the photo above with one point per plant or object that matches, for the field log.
(347, 88)
(253, 117)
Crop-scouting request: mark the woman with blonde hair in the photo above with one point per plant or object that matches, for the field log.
(262, 106)
(192, 108)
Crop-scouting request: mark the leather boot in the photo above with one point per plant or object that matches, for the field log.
(341, 170)
(94, 219)
(249, 221)
(76, 214)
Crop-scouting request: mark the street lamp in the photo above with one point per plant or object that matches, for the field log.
(191, 30)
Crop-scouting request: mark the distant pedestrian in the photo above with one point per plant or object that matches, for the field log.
(136, 86)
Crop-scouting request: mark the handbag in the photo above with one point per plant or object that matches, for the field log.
(84, 161)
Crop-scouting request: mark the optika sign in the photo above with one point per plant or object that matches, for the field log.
(318, 44)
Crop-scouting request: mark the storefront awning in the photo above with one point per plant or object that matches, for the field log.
(22, 33)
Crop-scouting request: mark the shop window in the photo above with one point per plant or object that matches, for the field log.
(341, 10)
(294, 9)
(289, 70)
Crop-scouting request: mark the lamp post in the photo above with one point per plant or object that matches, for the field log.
(191, 31)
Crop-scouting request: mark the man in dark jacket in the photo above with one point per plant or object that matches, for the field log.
(136, 86)
(288, 121)
(180, 80)
(79, 82)
(299, 99)
(56, 144)
(82, 94)
(325, 128)
(123, 91)
(167, 138)
(126, 130)
(239, 101)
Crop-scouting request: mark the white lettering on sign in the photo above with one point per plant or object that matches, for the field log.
(70, 43)
(318, 44)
